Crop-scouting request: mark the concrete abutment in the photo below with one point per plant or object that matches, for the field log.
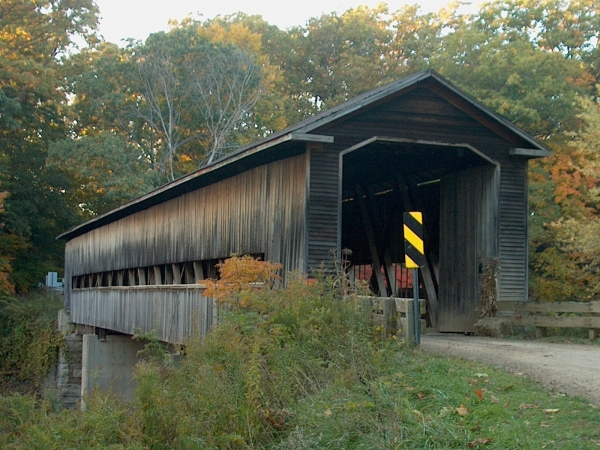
(108, 364)
(88, 362)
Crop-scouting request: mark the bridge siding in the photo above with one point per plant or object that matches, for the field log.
(261, 211)
(173, 312)
(288, 210)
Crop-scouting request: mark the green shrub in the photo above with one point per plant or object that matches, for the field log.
(239, 386)
(28, 422)
(29, 339)
(302, 371)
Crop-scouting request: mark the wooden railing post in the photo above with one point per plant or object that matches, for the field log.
(410, 324)
(540, 332)
(553, 315)
(389, 308)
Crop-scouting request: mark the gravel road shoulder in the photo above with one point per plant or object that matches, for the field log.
(572, 369)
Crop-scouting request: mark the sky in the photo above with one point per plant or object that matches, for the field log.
(121, 19)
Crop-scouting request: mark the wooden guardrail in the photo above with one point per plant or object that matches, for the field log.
(393, 314)
(554, 315)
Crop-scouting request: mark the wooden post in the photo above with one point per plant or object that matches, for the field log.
(198, 272)
(383, 242)
(435, 266)
(540, 332)
(593, 332)
(176, 274)
(390, 273)
(187, 273)
(416, 308)
(371, 240)
(157, 275)
(389, 307)
(410, 324)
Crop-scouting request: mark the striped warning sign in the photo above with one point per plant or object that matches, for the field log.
(414, 249)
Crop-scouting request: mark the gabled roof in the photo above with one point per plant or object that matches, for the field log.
(281, 145)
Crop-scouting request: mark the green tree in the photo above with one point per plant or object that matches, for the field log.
(198, 89)
(32, 36)
(102, 171)
(240, 50)
(335, 58)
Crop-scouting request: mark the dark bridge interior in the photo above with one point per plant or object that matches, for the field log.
(383, 178)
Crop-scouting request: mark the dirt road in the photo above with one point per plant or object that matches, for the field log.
(573, 369)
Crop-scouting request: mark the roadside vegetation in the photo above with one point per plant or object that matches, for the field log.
(29, 340)
(301, 369)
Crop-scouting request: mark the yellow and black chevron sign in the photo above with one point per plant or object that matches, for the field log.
(414, 249)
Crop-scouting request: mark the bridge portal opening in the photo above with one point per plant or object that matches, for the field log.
(456, 189)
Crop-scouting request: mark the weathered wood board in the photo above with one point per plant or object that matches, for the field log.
(172, 312)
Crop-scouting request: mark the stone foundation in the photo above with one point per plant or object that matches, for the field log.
(69, 371)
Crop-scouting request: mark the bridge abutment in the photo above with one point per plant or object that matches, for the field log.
(108, 364)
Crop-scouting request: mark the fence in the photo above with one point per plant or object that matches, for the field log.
(394, 315)
(554, 315)
(403, 278)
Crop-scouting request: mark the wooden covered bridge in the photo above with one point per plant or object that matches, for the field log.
(340, 179)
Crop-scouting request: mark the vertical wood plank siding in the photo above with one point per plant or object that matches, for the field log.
(513, 279)
(421, 114)
(261, 211)
(173, 313)
(468, 235)
(258, 211)
(323, 205)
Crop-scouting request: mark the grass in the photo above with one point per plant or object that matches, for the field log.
(298, 369)
(474, 402)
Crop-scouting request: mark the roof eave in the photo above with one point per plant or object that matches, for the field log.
(529, 152)
(121, 211)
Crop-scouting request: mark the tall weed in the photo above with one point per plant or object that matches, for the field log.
(300, 369)
(29, 338)
(239, 387)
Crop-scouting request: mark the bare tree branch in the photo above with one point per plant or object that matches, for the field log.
(226, 88)
(166, 94)
(220, 86)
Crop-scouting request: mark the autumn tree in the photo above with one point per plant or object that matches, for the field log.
(566, 253)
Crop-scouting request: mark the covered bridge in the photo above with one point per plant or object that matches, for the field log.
(340, 179)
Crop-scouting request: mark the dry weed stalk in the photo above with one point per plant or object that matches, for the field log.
(488, 278)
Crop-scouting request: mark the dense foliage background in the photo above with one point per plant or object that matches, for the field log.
(86, 125)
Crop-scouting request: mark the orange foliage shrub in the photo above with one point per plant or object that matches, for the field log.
(240, 276)
(6, 287)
